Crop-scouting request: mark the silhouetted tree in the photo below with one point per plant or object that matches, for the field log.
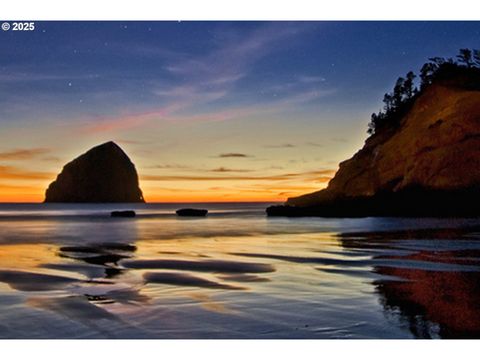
(450, 61)
(409, 86)
(373, 124)
(388, 102)
(398, 92)
(439, 61)
(465, 57)
(426, 73)
(476, 57)
(397, 103)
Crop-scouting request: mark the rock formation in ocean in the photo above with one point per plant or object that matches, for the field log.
(192, 212)
(104, 174)
(427, 165)
(123, 213)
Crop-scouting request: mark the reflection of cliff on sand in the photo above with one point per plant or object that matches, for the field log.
(443, 304)
(434, 303)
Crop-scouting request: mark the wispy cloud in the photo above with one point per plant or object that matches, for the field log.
(164, 115)
(214, 75)
(225, 170)
(117, 123)
(315, 144)
(298, 83)
(220, 169)
(201, 88)
(169, 166)
(308, 79)
(211, 178)
(133, 142)
(238, 52)
(316, 176)
(184, 87)
(234, 155)
(55, 159)
(282, 187)
(14, 173)
(280, 146)
(30, 75)
(210, 77)
(23, 154)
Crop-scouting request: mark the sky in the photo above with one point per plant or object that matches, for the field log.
(207, 111)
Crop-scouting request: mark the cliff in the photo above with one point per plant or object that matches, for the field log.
(103, 174)
(428, 165)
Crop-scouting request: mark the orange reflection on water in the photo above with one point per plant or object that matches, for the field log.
(27, 256)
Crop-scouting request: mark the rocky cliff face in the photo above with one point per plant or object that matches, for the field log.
(432, 156)
(102, 174)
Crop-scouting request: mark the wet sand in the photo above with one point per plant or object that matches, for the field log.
(236, 274)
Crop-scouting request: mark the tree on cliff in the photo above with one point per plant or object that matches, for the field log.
(426, 73)
(409, 88)
(395, 103)
(465, 57)
(398, 102)
(476, 57)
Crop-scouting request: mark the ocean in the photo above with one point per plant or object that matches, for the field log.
(72, 271)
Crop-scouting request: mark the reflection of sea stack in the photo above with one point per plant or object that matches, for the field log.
(103, 174)
(426, 165)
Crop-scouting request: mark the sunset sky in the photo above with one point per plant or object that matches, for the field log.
(207, 111)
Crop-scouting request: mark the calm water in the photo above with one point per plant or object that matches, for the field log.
(71, 271)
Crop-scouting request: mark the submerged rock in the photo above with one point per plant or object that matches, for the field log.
(192, 212)
(429, 165)
(125, 213)
(104, 174)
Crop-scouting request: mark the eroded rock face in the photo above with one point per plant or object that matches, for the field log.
(104, 174)
(434, 152)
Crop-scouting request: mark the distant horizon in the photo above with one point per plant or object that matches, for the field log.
(146, 202)
(207, 111)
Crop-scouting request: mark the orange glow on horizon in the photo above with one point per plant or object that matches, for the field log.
(153, 198)
(217, 183)
(12, 194)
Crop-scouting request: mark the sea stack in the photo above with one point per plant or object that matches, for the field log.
(104, 174)
(427, 165)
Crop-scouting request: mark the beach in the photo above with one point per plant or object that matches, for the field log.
(72, 271)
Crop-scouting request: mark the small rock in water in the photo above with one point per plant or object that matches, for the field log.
(192, 212)
(126, 213)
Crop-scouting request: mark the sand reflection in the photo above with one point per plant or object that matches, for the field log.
(432, 302)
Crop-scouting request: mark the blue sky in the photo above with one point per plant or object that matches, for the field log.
(294, 96)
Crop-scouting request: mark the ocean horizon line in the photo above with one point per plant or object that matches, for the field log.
(147, 202)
